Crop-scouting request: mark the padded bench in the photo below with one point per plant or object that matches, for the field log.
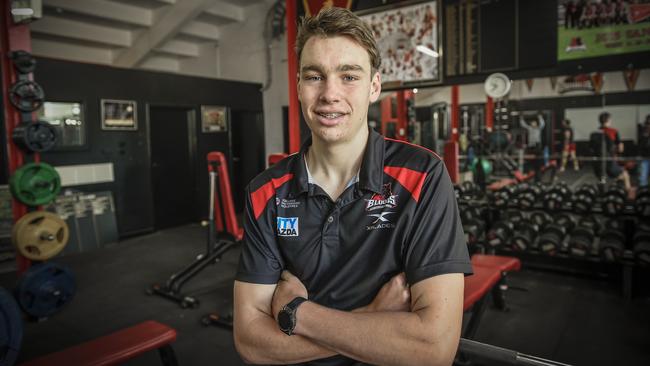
(489, 276)
(116, 348)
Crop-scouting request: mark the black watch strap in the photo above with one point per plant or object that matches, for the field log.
(287, 317)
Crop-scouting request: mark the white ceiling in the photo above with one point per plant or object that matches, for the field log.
(133, 33)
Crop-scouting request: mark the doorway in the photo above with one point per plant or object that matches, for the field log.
(172, 134)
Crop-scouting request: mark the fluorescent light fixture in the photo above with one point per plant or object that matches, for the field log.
(22, 11)
(415, 90)
(426, 50)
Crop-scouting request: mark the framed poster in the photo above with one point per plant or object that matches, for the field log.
(119, 114)
(214, 118)
(408, 41)
(600, 28)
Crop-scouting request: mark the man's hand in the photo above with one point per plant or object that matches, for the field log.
(288, 289)
(395, 295)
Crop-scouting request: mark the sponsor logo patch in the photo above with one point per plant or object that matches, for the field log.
(381, 221)
(285, 203)
(288, 226)
(385, 200)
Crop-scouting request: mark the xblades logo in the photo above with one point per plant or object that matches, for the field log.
(381, 217)
(381, 222)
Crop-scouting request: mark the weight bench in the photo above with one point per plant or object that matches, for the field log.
(489, 276)
(503, 264)
(116, 348)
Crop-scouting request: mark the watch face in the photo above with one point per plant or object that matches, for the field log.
(284, 320)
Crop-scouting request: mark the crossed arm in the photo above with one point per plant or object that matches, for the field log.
(402, 326)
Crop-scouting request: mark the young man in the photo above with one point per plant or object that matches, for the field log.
(612, 147)
(535, 129)
(354, 250)
(568, 146)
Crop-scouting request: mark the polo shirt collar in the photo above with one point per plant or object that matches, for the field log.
(371, 173)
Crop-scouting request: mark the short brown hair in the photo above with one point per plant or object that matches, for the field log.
(334, 21)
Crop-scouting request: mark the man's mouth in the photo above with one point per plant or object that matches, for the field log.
(330, 115)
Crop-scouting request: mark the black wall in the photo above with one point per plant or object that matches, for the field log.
(129, 150)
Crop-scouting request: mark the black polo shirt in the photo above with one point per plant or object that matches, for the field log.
(401, 216)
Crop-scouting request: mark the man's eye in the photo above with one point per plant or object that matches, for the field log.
(350, 78)
(313, 78)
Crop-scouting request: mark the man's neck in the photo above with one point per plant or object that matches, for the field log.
(333, 165)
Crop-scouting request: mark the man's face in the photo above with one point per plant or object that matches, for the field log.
(336, 87)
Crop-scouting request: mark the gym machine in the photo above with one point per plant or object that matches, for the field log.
(223, 234)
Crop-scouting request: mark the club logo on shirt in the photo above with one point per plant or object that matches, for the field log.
(381, 221)
(385, 200)
(288, 226)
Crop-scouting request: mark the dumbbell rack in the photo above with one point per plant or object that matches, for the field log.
(591, 264)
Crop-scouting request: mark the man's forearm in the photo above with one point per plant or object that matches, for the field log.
(387, 338)
(262, 342)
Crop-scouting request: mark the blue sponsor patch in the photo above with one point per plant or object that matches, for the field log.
(288, 226)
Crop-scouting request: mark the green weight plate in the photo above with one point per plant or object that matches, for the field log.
(35, 184)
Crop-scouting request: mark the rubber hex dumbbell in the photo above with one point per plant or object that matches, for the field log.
(584, 198)
(614, 200)
(642, 248)
(524, 236)
(581, 241)
(541, 219)
(612, 241)
(642, 202)
(527, 195)
(503, 197)
(551, 238)
(556, 196)
(500, 234)
(473, 219)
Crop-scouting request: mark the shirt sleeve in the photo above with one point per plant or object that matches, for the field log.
(436, 242)
(260, 261)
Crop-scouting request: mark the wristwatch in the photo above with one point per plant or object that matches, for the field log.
(287, 316)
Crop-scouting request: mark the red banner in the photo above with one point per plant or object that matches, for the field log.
(529, 84)
(597, 82)
(639, 12)
(631, 77)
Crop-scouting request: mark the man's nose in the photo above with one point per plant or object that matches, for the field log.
(331, 92)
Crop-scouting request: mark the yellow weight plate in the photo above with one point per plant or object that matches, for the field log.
(40, 235)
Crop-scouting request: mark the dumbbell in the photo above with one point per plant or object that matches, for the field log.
(612, 241)
(470, 191)
(614, 200)
(541, 219)
(584, 198)
(504, 196)
(473, 221)
(555, 196)
(642, 202)
(527, 195)
(500, 233)
(641, 242)
(581, 241)
(525, 233)
(551, 238)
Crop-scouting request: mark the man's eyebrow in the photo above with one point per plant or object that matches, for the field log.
(340, 68)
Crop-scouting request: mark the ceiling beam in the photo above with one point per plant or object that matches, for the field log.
(227, 11)
(82, 31)
(68, 51)
(167, 27)
(180, 48)
(202, 30)
(117, 12)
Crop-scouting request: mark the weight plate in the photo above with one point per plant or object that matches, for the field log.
(40, 235)
(24, 62)
(35, 184)
(39, 136)
(11, 328)
(26, 95)
(45, 289)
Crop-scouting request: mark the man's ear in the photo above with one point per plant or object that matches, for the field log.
(375, 87)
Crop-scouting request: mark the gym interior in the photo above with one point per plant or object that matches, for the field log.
(131, 129)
